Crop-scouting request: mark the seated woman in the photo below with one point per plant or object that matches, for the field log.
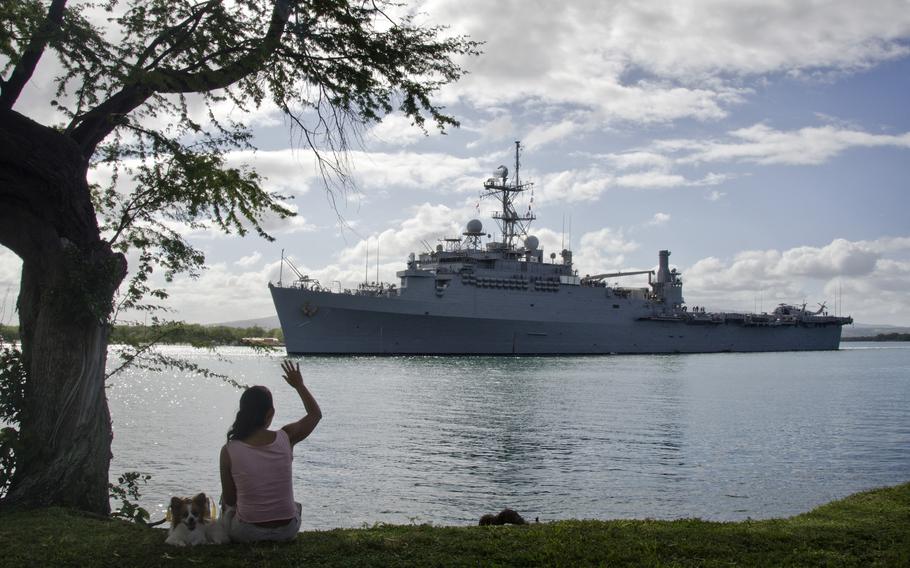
(256, 464)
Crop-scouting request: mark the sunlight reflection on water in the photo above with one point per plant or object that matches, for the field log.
(444, 440)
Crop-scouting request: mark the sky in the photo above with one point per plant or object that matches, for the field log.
(765, 144)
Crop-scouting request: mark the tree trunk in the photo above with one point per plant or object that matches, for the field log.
(66, 429)
(69, 277)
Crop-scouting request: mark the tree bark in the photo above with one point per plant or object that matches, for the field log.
(69, 278)
(65, 428)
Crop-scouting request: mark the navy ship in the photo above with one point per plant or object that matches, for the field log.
(505, 297)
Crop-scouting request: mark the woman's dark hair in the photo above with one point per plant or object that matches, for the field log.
(255, 403)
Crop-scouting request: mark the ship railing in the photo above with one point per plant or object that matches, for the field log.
(303, 283)
(827, 320)
(375, 290)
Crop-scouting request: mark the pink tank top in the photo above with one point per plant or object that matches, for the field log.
(262, 475)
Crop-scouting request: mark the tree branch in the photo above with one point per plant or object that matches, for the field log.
(11, 89)
(173, 81)
(97, 123)
(176, 33)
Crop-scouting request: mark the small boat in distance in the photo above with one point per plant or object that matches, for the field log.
(503, 297)
(261, 341)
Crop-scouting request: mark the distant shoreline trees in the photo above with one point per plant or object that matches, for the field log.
(881, 337)
(173, 334)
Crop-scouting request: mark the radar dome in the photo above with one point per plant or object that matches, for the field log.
(475, 227)
(531, 243)
(501, 172)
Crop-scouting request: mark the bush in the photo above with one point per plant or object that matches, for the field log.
(12, 398)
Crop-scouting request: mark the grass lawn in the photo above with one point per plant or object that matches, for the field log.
(867, 529)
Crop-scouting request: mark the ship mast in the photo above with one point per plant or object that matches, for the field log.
(510, 222)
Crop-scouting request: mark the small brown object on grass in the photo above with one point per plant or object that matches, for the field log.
(505, 517)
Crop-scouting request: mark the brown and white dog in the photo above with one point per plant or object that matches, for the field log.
(192, 524)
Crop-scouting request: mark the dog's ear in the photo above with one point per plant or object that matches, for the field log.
(176, 502)
(200, 499)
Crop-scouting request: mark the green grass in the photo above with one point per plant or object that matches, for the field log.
(866, 529)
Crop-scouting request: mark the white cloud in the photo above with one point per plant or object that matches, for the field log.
(572, 185)
(640, 160)
(288, 171)
(888, 244)
(270, 222)
(753, 36)
(563, 56)
(759, 144)
(648, 169)
(653, 179)
(274, 225)
(249, 261)
(542, 135)
(751, 269)
(587, 53)
(589, 184)
(442, 172)
(397, 130)
(659, 219)
(222, 293)
(880, 297)
(712, 178)
(877, 285)
(500, 127)
(603, 250)
(715, 195)
(839, 258)
(762, 144)
(745, 284)
(629, 60)
(661, 179)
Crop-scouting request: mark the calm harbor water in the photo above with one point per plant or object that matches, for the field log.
(445, 440)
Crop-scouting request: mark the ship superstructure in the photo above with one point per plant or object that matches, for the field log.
(507, 297)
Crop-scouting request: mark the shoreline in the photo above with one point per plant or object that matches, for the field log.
(870, 528)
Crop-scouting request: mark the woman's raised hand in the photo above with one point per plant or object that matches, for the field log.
(302, 428)
(292, 374)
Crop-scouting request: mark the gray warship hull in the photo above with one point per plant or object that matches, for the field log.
(522, 323)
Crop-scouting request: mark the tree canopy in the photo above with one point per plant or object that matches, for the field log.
(140, 82)
(139, 90)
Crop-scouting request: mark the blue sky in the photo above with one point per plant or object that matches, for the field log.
(766, 144)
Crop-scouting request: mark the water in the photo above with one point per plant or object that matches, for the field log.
(445, 440)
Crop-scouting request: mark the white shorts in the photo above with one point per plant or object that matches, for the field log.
(248, 532)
